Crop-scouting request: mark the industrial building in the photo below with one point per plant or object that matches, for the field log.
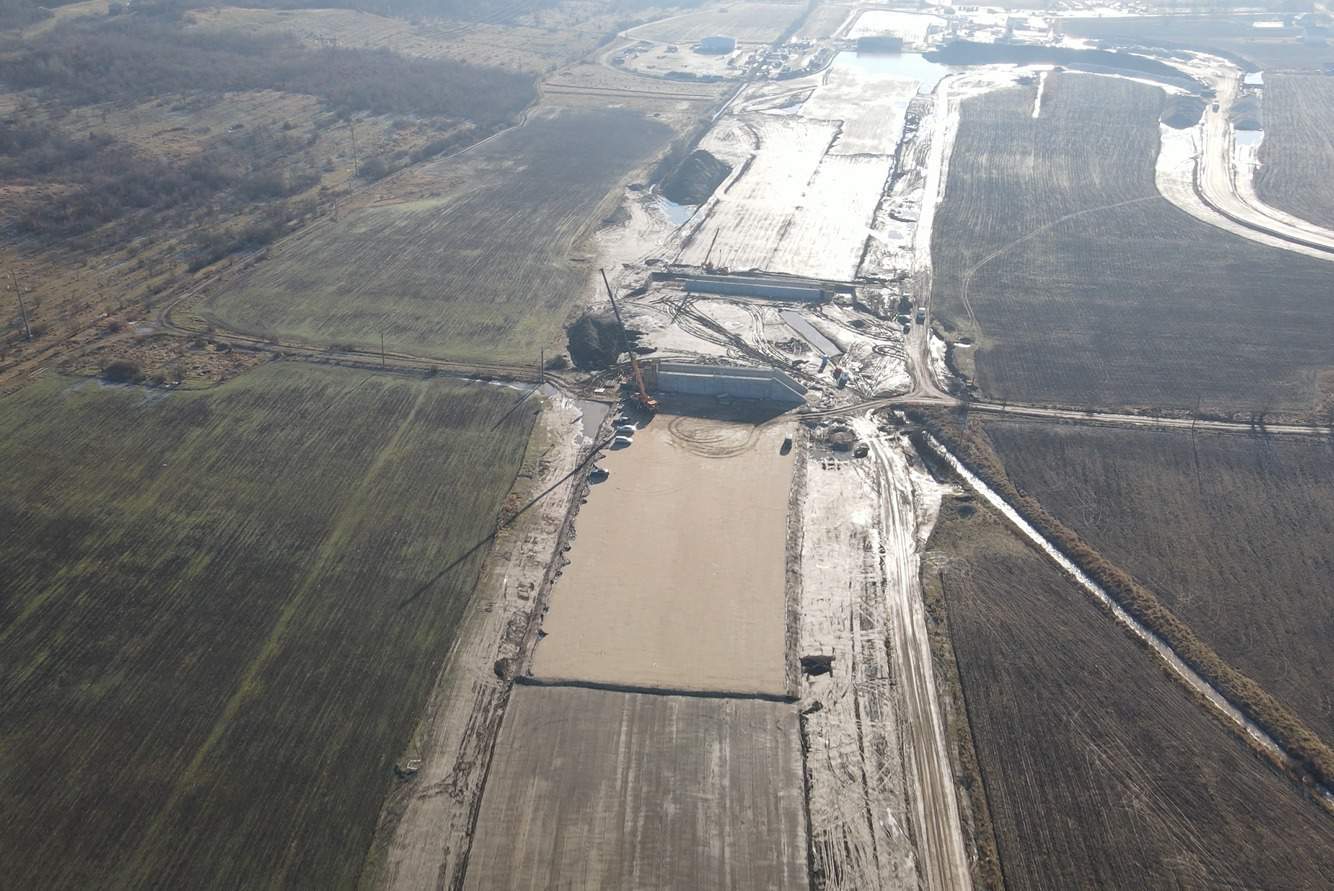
(734, 381)
(718, 44)
(764, 289)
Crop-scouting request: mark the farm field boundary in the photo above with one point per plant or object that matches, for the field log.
(1311, 759)
(1261, 603)
(1099, 769)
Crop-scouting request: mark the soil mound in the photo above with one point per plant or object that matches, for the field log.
(694, 181)
(1246, 113)
(595, 341)
(1182, 112)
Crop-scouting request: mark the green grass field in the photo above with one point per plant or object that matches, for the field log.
(1083, 286)
(223, 612)
(485, 270)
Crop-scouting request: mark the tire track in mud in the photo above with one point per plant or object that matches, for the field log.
(941, 850)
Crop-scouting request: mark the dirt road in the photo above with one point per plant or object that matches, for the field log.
(942, 853)
(851, 722)
(1229, 191)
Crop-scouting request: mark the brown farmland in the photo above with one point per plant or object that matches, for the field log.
(1101, 771)
(480, 262)
(677, 574)
(1234, 533)
(1297, 154)
(222, 616)
(1233, 36)
(1083, 286)
(600, 789)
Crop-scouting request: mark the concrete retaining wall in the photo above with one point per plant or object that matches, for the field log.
(763, 289)
(768, 384)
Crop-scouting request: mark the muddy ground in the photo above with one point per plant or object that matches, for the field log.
(604, 789)
(676, 577)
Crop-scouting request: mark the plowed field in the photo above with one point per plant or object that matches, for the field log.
(1083, 286)
(1297, 154)
(1101, 771)
(222, 615)
(1234, 533)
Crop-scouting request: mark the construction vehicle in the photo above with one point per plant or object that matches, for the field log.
(650, 404)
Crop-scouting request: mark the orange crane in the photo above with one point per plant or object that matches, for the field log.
(644, 398)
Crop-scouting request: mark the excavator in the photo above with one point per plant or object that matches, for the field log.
(650, 404)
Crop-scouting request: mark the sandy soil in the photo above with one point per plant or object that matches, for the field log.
(677, 575)
(860, 833)
(908, 502)
(601, 789)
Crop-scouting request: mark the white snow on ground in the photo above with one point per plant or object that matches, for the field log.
(667, 339)
(804, 191)
(940, 369)
(749, 214)
(870, 105)
(1042, 89)
(1175, 177)
(912, 27)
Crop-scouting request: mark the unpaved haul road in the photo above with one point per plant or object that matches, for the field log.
(942, 855)
(1218, 186)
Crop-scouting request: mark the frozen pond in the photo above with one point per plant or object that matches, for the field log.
(677, 214)
(897, 66)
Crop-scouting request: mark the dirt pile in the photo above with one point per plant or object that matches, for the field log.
(694, 181)
(1182, 112)
(595, 341)
(1246, 113)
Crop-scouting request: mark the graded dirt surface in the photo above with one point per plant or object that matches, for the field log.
(1100, 769)
(602, 789)
(810, 158)
(676, 578)
(222, 615)
(473, 257)
(1234, 533)
(1081, 285)
(1298, 149)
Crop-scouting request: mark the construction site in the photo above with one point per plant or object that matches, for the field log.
(735, 674)
(763, 585)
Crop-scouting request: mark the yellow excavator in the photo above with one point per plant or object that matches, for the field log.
(649, 403)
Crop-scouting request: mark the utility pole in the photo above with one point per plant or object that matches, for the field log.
(23, 312)
(382, 348)
(542, 365)
(356, 164)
